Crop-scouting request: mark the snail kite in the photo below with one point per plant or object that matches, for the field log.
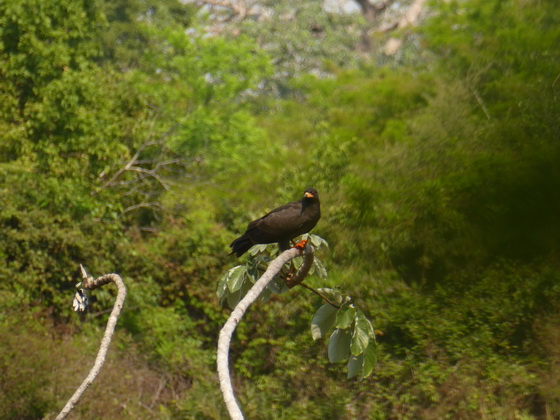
(281, 224)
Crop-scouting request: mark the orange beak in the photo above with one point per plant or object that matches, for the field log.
(309, 195)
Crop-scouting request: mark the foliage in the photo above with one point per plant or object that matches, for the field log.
(300, 37)
(439, 180)
(353, 338)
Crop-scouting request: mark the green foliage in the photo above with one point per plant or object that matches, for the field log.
(353, 336)
(300, 37)
(439, 180)
(235, 283)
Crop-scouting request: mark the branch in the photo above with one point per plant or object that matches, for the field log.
(300, 275)
(142, 205)
(91, 284)
(229, 327)
(480, 102)
(322, 296)
(131, 162)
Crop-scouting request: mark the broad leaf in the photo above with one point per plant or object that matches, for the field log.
(257, 249)
(266, 294)
(236, 276)
(370, 358)
(360, 338)
(355, 366)
(339, 345)
(319, 269)
(345, 317)
(360, 341)
(317, 241)
(222, 286)
(365, 323)
(331, 294)
(323, 321)
(233, 299)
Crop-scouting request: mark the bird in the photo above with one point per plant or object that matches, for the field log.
(282, 224)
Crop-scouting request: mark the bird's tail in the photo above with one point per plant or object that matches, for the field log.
(241, 245)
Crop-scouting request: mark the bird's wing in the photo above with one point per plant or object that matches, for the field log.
(278, 224)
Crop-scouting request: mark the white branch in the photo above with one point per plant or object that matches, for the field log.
(89, 283)
(229, 327)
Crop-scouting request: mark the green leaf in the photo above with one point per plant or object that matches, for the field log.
(360, 338)
(266, 294)
(236, 276)
(253, 270)
(339, 345)
(233, 299)
(323, 321)
(257, 249)
(222, 286)
(278, 285)
(320, 269)
(345, 317)
(365, 323)
(317, 241)
(355, 365)
(331, 294)
(370, 358)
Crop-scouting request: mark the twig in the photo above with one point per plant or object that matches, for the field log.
(308, 256)
(229, 327)
(141, 205)
(91, 284)
(326, 299)
(131, 162)
(480, 102)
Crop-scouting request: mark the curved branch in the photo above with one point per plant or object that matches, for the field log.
(229, 327)
(90, 284)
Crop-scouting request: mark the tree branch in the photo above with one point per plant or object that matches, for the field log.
(322, 296)
(308, 257)
(91, 284)
(229, 327)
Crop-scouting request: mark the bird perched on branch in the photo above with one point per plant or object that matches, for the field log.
(281, 224)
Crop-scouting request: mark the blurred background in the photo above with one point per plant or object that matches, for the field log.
(141, 136)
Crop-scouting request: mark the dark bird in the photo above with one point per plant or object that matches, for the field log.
(281, 224)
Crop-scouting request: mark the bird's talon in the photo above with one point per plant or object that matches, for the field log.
(301, 244)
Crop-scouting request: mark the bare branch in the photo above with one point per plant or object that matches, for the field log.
(131, 162)
(141, 205)
(229, 327)
(150, 172)
(480, 102)
(91, 284)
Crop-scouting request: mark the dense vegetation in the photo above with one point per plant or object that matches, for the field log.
(133, 142)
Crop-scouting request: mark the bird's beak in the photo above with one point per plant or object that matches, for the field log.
(309, 195)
